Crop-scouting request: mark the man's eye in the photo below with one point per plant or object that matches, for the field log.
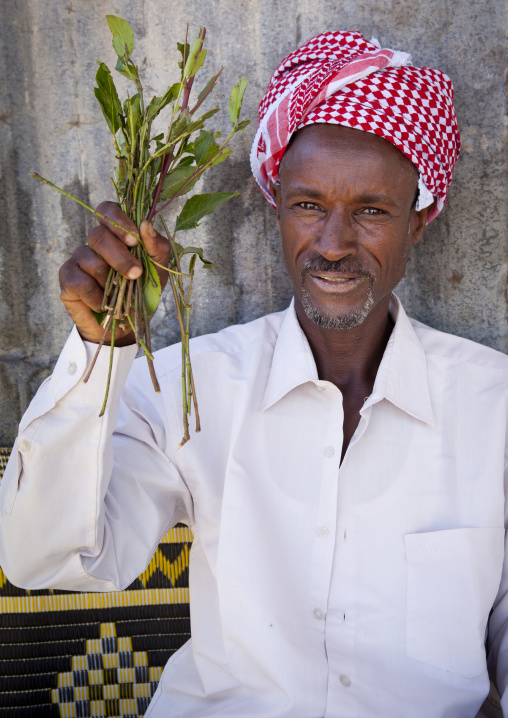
(373, 211)
(309, 205)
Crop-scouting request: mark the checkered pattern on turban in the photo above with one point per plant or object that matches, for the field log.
(341, 78)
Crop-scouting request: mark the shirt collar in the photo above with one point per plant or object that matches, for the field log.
(401, 378)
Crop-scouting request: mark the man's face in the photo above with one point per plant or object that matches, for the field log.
(347, 221)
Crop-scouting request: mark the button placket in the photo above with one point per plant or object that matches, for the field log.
(324, 528)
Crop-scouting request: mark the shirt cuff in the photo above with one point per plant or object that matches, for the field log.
(70, 370)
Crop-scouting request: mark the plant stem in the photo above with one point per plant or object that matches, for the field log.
(128, 301)
(111, 354)
(141, 342)
(194, 400)
(107, 288)
(93, 211)
(212, 85)
(99, 347)
(118, 310)
(185, 407)
(190, 81)
(146, 322)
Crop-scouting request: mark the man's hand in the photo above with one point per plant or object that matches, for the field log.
(83, 276)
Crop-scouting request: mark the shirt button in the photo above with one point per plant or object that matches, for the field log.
(345, 681)
(329, 452)
(322, 531)
(72, 367)
(318, 613)
(23, 445)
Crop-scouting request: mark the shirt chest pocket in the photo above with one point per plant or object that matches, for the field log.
(452, 580)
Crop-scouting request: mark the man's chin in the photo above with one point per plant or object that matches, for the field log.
(350, 320)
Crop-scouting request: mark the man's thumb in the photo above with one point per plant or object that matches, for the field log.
(157, 247)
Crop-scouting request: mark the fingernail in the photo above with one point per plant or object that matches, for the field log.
(135, 272)
(131, 241)
(151, 230)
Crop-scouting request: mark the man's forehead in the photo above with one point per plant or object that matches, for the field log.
(335, 142)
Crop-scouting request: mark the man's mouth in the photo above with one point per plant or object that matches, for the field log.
(337, 282)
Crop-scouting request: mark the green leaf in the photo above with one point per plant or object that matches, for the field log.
(217, 155)
(122, 143)
(202, 144)
(127, 69)
(99, 316)
(179, 249)
(121, 171)
(180, 47)
(183, 128)
(152, 289)
(155, 106)
(158, 103)
(175, 180)
(107, 96)
(199, 63)
(235, 100)
(208, 114)
(123, 37)
(199, 206)
(163, 149)
(181, 124)
(195, 251)
(131, 108)
(242, 125)
(192, 57)
(186, 161)
(208, 85)
(223, 155)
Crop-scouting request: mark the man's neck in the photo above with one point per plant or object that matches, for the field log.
(349, 358)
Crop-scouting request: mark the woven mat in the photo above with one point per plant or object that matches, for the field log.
(93, 654)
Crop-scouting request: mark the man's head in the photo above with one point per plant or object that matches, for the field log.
(347, 217)
(344, 120)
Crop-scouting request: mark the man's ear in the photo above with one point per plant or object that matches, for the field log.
(418, 222)
(276, 194)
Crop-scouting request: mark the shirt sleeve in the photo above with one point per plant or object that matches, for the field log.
(85, 500)
(498, 624)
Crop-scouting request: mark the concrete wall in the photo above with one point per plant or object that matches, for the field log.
(50, 122)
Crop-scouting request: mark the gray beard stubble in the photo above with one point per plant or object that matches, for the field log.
(346, 321)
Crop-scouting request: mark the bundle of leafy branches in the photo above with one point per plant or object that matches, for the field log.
(152, 171)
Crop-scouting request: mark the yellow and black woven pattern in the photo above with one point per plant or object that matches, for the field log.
(93, 654)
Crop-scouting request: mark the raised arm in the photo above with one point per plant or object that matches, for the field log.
(85, 499)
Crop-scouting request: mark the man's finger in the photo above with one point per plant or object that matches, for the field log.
(92, 264)
(157, 247)
(78, 285)
(112, 211)
(114, 252)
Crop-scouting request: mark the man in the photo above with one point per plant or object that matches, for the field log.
(346, 495)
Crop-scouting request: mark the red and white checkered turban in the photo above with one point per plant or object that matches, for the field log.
(341, 78)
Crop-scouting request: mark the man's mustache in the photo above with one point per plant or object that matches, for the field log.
(346, 265)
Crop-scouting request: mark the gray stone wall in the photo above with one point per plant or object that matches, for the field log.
(50, 122)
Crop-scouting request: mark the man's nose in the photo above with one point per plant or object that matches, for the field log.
(337, 237)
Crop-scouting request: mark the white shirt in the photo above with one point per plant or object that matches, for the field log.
(353, 591)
